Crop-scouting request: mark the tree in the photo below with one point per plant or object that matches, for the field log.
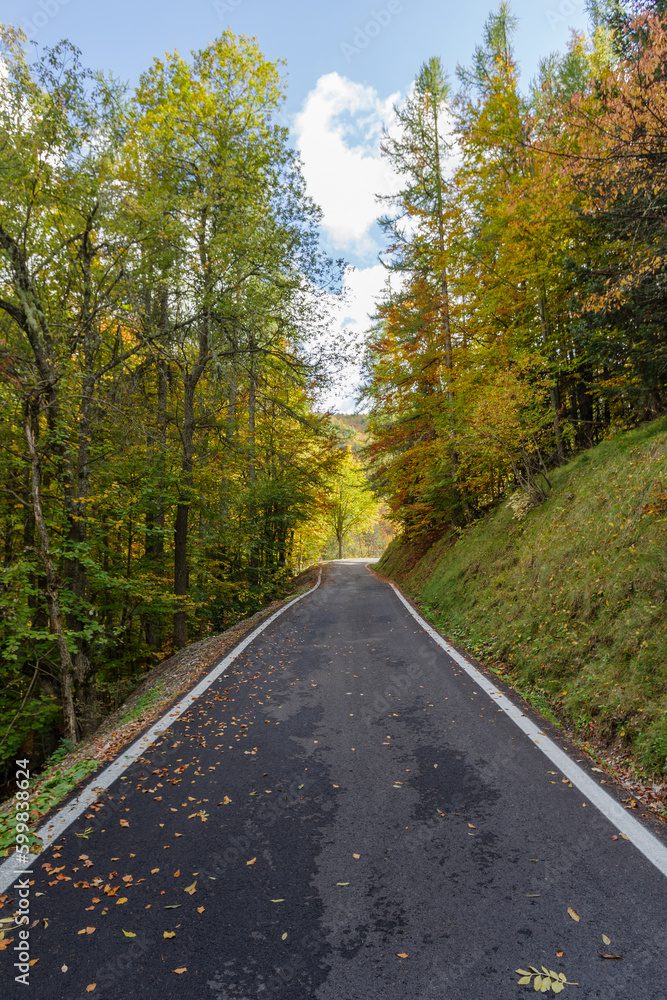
(353, 506)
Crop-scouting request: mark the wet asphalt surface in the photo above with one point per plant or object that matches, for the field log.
(343, 815)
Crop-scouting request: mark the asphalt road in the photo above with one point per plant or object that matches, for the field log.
(343, 815)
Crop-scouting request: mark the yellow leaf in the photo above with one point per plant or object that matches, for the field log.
(251, 862)
(357, 856)
(606, 939)
(129, 934)
(524, 981)
(573, 914)
(179, 972)
(227, 800)
(154, 871)
(401, 954)
(284, 936)
(169, 934)
(123, 899)
(191, 889)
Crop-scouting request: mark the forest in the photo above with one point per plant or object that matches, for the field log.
(524, 316)
(165, 466)
(164, 469)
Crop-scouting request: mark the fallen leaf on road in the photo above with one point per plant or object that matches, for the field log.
(63, 968)
(251, 862)
(606, 939)
(124, 822)
(129, 934)
(123, 899)
(154, 871)
(227, 800)
(191, 889)
(624, 836)
(177, 873)
(172, 906)
(178, 834)
(357, 856)
(401, 954)
(179, 972)
(573, 914)
(277, 900)
(169, 934)
(200, 909)
(471, 826)
(342, 883)
(284, 936)
(91, 930)
(89, 989)
(33, 961)
(610, 956)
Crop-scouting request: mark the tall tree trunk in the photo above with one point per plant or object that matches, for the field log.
(155, 550)
(181, 574)
(56, 617)
(190, 383)
(553, 386)
(77, 502)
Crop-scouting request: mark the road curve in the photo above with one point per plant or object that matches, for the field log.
(344, 814)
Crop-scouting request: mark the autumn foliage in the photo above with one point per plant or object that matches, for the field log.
(545, 213)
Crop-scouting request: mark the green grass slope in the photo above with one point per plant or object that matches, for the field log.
(568, 604)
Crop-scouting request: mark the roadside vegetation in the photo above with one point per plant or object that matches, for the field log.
(567, 601)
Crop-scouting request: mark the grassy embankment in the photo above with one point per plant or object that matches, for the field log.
(569, 604)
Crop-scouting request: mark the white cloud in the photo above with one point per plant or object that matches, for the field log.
(351, 319)
(338, 134)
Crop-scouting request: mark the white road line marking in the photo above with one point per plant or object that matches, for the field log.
(644, 841)
(10, 870)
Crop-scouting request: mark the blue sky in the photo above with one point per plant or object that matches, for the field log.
(347, 63)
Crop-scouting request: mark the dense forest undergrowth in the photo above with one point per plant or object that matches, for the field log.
(567, 601)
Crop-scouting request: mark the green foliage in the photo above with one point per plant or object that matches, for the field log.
(159, 453)
(53, 786)
(143, 703)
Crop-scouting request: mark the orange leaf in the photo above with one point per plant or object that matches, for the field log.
(401, 954)
(123, 899)
(125, 822)
(89, 989)
(251, 862)
(179, 972)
